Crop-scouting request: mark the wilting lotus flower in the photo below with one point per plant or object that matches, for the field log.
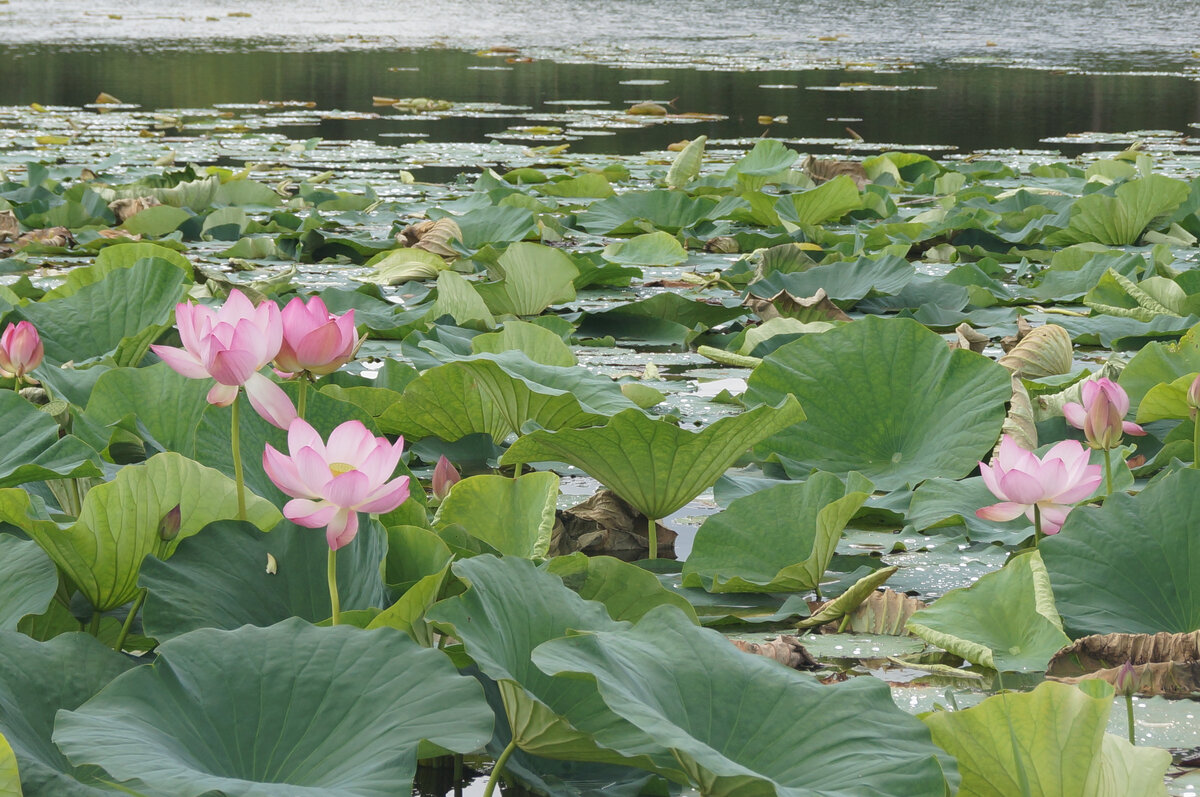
(1102, 414)
(445, 476)
(20, 350)
(315, 340)
(1052, 483)
(330, 483)
(230, 345)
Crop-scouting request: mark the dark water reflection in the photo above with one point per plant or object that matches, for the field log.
(969, 107)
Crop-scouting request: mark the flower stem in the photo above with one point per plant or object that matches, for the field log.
(1037, 525)
(652, 537)
(1196, 443)
(498, 767)
(334, 602)
(1129, 713)
(133, 610)
(94, 626)
(1108, 481)
(302, 398)
(236, 444)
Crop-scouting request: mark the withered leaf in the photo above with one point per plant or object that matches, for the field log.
(785, 649)
(125, 209)
(817, 307)
(1045, 351)
(10, 228)
(606, 525)
(432, 236)
(883, 612)
(824, 170)
(48, 236)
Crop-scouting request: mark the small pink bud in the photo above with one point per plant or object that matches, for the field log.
(1126, 683)
(21, 350)
(1102, 414)
(445, 476)
(168, 527)
(1193, 395)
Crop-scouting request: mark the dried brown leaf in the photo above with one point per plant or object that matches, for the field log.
(647, 109)
(1101, 651)
(125, 209)
(432, 236)
(606, 525)
(967, 338)
(722, 245)
(10, 228)
(817, 307)
(785, 649)
(1166, 678)
(48, 236)
(883, 612)
(1009, 342)
(824, 170)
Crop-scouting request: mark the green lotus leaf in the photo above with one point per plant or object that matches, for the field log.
(686, 166)
(10, 777)
(1159, 363)
(849, 281)
(653, 464)
(242, 192)
(28, 580)
(767, 160)
(645, 211)
(533, 277)
(492, 225)
(849, 601)
(121, 315)
(111, 258)
(118, 526)
(1167, 400)
(1120, 218)
(413, 553)
(625, 589)
(233, 575)
(536, 342)
(1005, 620)
(664, 317)
(886, 398)
(514, 516)
(744, 725)
(285, 710)
(1048, 742)
(589, 184)
(157, 221)
(1116, 294)
(777, 540)
(37, 679)
(827, 202)
(937, 501)
(1141, 548)
(651, 249)
(404, 265)
(511, 607)
(458, 299)
(174, 415)
(479, 395)
(31, 448)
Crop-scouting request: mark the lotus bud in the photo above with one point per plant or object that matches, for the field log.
(1126, 681)
(1193, 395)
(1101, 416)
(168, 527)
(20, 350)
(445, 476)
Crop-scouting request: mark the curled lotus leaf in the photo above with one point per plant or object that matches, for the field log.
(1162, 663)
(817, 307)
(1045, 351)
(432, 236)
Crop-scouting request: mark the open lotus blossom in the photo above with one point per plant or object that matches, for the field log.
(315, 340)
(330, 483)
(1101, 416)
(231, 345)
(20, 350)
(1052, 483)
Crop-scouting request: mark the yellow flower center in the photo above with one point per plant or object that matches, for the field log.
(338, 468)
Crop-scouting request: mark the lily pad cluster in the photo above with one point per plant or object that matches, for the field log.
(879, 327)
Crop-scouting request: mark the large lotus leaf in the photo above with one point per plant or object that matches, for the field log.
(324, 412)
(886, 398)
(120, 315)
(840, 281)
(458, 299)
(777, 540)
(119, 524)
(234, 575)
(744, 725)
(490, 225)
(662, 318)
(1142, 550)
(1047, 743)
(653, 464)
(514, 516)
(404, 265)
(1116, 294)
(937, 501)
(171, 418)
(1120, 219)
(28, 580)
(120, 255)
(827, 202)
(626, 590)
(765, 161)
(533, 278)
(651, 249)
(511, 607)
(10, 777)
(1006, 620)
(36, 680)
(31, 448)
(646, 211)
(286, 710)
(1158, 363)
(535, 342)
(479, 395)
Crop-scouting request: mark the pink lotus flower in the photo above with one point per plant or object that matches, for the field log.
(445, 476)
(331, 483)
(20, 350)
(230, 345)
(315, 340)
(1052, 483)
(1102, 414)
